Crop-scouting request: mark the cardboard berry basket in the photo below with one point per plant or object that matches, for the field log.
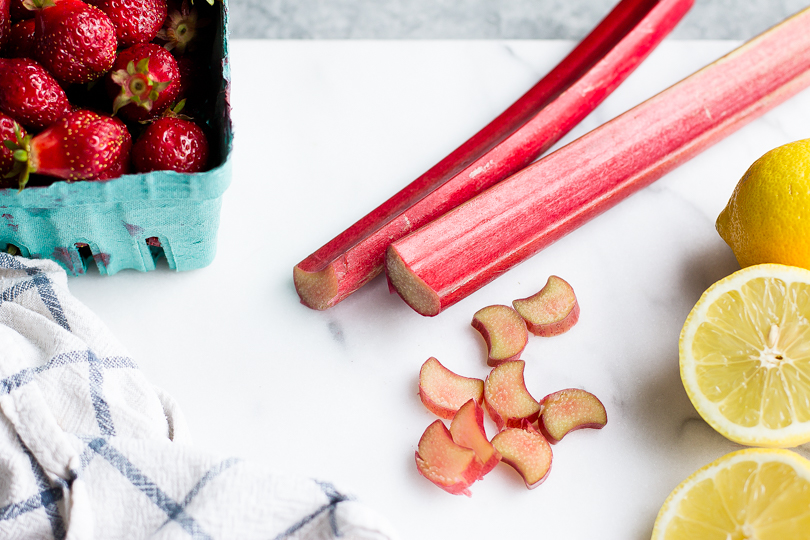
(131, 221)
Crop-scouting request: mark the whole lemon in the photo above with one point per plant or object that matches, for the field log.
(767, 218)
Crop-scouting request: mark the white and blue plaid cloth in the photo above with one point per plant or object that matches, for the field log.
(90, 449)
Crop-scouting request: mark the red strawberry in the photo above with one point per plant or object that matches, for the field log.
(171, 144)
(74, 41)
(19, 11)
(143, 82)
(29, 94)
(21, 39)
(12, 132)
(181, 31)
(5, 22)
(193, 80)
(136, 21)
(82, 145)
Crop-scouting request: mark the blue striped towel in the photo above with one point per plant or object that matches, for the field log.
(90, 449)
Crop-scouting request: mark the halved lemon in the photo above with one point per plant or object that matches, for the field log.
(756, 493)
(745, 356)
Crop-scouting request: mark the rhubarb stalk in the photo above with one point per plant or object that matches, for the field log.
(510, 142)
(470, 246)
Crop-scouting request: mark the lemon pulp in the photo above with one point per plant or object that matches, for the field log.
(745, 356)
(753, 494)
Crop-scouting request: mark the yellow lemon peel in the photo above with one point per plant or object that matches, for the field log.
(767, 218)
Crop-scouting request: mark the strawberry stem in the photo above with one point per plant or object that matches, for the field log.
(21, 152)
(36, 5)
(137, 86)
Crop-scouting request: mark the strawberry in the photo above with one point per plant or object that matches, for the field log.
(75, 41)
(82, 145)
(21, 39)
(171, 143)
(29, 94)
(5, 22)
(10, 133)
(143, 82)
(181, 31)
(193, 81)
(19, 11)
(136, 21)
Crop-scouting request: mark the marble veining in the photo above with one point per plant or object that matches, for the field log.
(327, 130)
(483, 19)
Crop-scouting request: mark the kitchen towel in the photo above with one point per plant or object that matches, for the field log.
(90, 449)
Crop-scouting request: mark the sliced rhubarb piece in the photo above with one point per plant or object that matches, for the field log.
(552, 311)
(568, 410)
(504, 332)
(444, 392)
(463, 250)
(527, 451)
(467, 430)
(510, 142)
(448, 465)
(506, 399)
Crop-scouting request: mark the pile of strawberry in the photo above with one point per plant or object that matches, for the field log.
(93, 90)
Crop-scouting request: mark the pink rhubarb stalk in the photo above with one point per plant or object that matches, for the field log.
(510, 142)
(463, 250)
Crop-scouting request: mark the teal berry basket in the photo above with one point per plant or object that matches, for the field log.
(131, 221)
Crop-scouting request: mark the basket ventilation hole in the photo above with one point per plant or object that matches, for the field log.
(155, 248)
(86, 256)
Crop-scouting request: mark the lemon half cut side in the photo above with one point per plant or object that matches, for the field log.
(751, 494)
(745, 356)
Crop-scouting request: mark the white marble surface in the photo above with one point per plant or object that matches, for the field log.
(483, 19)
(327, 130)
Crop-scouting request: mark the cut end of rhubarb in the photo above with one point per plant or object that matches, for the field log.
(506, 398)
(527, 451)
(568, 410)
(317, 290)
(467, 430)
(504, 331)
(444, 392)
(448, 465)
(552, 311)
(411, 287)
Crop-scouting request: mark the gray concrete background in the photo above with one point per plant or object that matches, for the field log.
(483, 19)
